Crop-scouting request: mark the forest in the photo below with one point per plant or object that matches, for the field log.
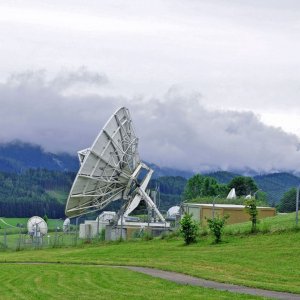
(41, 191)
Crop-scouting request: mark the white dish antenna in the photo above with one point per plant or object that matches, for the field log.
(37, 227)
(173, 211)
(232, 194)
(66, 225)
(110, 170)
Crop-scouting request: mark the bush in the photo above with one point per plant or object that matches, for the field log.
(251, 209)
(102, 235)
(147, 236)
(45, 218)
(189, 228)
(216, 225)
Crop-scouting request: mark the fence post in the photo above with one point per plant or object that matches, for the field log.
(297, 205)
(76, 231)
(19, 240)
(5, 239)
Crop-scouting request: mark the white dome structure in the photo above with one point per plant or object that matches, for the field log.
(173, 211)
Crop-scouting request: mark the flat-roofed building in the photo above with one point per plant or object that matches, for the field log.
(237, 213)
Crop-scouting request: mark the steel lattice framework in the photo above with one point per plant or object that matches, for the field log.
(110, 170)
(106, 167)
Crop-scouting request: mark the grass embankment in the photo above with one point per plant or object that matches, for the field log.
(236, 201)
(279, 223)
(92, 282)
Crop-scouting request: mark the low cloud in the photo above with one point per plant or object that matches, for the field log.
(176, 130)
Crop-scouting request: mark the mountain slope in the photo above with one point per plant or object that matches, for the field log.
(275, 185)
(223, 177)
(19, 156)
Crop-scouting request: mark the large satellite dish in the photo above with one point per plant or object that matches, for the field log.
(111, 170)
(37, 227)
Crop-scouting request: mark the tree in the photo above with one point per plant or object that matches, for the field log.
(243, 185)
(203, 186)
(216, 225)
(45, 217)
(251, 209)
(288, 201)
(189, 229)
(193, 187)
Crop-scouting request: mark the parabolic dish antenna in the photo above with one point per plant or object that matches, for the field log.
(37, 226)
(109, 171)
(173, 211)
(66, 225)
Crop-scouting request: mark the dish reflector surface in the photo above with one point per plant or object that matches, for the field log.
(105, 167)
(37, 225)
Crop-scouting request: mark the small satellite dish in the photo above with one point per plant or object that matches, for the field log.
(66, 225)
(232, 194)
(173, 211)
(109, 171)
(37, 227)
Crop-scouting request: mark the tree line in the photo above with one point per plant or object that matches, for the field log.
(28, 194)
(35, 192)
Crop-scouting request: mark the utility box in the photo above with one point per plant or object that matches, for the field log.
(91, 228)
(85, 231)
(114, 233)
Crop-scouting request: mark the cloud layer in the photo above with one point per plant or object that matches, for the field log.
(176, 130)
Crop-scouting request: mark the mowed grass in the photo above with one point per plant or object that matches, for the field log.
(24, 241)
(95, 282)
(52, 223)
(270, 261)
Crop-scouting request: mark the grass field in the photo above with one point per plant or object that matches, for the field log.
(12, 236)
(269, 261)
(281, 222)
(52, 223)
(92, 282)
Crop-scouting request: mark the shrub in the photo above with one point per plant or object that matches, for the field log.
(189, 228)
(216, 225)
(45, 217)
(102, 235)
(147, 236)
(251, 209)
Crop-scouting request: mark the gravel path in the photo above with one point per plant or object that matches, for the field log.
(186, 279)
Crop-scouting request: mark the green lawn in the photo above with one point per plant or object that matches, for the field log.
(52, 223)
(24, 241)
(281, 222)
(92, 282)
(269, 261)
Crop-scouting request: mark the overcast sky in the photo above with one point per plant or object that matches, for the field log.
(210, 84)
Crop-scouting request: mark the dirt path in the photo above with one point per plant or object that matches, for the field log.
(186, 279)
